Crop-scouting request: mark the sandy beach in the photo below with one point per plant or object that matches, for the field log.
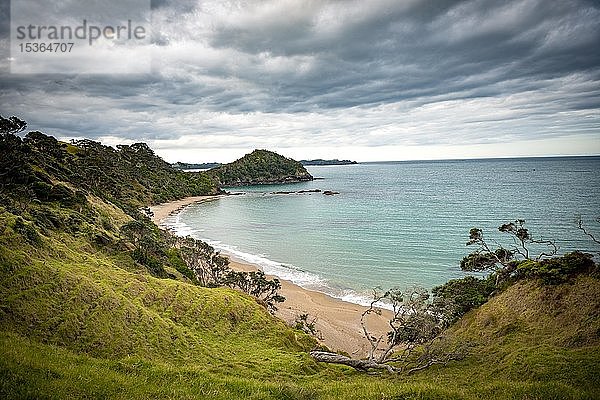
(337, 321)
(162, 211)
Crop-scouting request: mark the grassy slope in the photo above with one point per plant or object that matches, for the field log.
(538, 333)
(70, 313)
(77, 322)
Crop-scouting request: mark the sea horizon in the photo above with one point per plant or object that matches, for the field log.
(480, 159)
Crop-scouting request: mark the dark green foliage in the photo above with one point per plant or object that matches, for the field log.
(175, 260)
(559, 269)
(151, 262)
(479, 262)
(256, 284)
(503, 262)
(129, 176)
(135, 175)
(59, 192)
(12, 125)
(458, 296)
(37, 175)
(416, 328)
(506, 266)
(15, 170)
(149, 249)
(260, 167)
(414, 322)
(211, 269)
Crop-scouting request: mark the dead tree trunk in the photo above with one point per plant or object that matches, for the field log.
(359, 365)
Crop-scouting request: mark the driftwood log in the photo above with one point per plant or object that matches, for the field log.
(359, 365)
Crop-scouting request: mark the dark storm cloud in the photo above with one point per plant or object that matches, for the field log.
(339, 72)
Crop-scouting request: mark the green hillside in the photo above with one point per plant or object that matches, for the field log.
(537, 333)
(128, 176)
(97, 302)
(73, 301)
(260, 167)
(77, 322)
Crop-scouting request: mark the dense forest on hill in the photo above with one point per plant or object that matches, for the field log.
(131, 175)
(97, 302)
(260, 167)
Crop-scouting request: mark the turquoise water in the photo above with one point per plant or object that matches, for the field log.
(396, 224)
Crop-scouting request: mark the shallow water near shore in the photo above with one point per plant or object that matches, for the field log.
(395, 224)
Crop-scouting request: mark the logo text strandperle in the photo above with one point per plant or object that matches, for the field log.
(82, 32)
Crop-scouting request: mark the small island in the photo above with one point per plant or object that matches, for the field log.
(261, 167)
(320, 161)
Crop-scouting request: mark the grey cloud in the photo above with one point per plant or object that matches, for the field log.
(334, 71)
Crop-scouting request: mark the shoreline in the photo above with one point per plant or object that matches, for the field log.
(163, 210)
(337, 321)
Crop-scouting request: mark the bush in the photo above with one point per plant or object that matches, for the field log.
(457, 296)
(559, 269)
(177, 262)
(152, 263)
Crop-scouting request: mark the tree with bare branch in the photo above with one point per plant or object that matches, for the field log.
(411, 344)
(586, 231)
(503, 261)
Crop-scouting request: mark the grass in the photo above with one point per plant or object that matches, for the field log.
(79, 322)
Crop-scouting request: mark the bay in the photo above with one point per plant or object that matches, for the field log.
(396, 224)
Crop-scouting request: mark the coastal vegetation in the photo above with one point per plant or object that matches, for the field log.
(260, 167)
(97, 302)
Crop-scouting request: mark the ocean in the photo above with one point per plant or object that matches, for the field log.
(396, 224)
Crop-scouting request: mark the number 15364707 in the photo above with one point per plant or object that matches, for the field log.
(45, 47)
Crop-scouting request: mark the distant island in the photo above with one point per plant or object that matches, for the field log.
(186, 166)
(209, 165)
(320, 161)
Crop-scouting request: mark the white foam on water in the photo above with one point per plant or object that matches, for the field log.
(304, 279)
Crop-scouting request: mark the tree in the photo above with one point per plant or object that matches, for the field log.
(11, 125)
(148, 247)
(256, 284)
(458, 296)
(211, 269)
(557, 270)
(14, 167)
(412, 344)
(306, 324)
(503, 261)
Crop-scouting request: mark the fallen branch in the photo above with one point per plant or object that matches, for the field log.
(359, 365)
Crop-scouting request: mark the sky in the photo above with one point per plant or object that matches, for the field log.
(365, 80)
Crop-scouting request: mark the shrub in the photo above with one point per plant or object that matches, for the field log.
(559, 269)
(457, 296)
